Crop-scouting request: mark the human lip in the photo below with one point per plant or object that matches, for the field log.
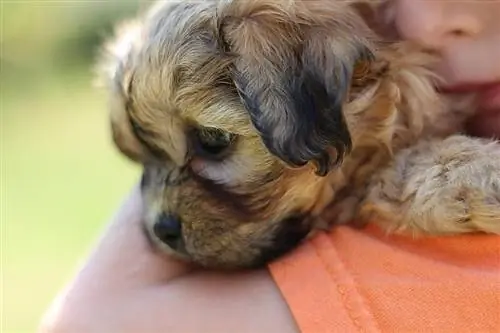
(488, 94)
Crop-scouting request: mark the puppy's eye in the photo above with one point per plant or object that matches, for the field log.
(213, 143)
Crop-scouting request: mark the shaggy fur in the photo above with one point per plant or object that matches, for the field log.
(256, 120)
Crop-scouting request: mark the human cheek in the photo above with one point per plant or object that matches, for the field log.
(471, 62)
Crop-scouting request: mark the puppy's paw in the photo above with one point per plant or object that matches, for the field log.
(438, 187)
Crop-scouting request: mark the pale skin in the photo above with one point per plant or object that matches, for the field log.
(125, 287)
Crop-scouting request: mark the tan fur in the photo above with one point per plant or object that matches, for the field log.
(176, 69)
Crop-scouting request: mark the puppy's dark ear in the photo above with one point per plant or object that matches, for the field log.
(293, 72)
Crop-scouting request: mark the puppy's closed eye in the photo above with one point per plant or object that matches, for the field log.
(213, 143)
(213, 156)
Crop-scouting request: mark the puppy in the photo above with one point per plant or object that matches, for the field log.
(253, 119)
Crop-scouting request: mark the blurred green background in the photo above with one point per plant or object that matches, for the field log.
(61, 177)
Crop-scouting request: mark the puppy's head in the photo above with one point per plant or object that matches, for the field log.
(235, 109)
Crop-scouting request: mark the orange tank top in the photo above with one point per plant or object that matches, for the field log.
(366, 281)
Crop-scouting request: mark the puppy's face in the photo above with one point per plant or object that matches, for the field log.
(235, 109)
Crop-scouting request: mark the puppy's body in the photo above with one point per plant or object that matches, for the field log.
(252, 118)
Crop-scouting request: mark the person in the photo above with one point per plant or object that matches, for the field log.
(345, 280)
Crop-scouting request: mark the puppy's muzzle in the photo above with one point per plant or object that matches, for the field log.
(168, 230)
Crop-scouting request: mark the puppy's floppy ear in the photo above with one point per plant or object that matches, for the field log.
(293, 71)
(114, 70)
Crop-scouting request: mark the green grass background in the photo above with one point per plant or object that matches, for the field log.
(61, 177)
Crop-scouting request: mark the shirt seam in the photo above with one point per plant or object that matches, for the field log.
(346, 285)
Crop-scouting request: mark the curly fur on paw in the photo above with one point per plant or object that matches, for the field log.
(446, 186)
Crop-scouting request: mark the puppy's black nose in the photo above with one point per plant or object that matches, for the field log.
(168, 229)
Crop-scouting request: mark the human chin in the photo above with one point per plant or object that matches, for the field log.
(485, 124)
(487, 120)
(490, 98)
